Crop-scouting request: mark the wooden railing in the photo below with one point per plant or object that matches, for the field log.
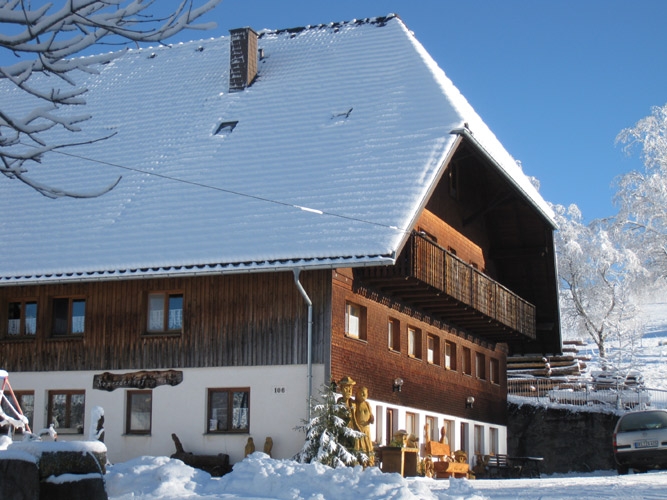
(433, 265)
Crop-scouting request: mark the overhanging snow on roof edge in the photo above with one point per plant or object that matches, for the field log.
(311, 264)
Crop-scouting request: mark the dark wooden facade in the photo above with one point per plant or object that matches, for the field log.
(427, 385)
(231, 320)
(482, 258)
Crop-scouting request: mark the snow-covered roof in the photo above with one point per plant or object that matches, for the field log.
(324, 161)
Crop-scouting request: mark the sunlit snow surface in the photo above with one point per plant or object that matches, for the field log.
(337, 145)
(259, 477)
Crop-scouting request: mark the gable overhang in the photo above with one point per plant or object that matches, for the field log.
(465, 133)
(540, 289)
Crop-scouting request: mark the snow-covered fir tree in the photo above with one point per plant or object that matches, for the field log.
(329, 439)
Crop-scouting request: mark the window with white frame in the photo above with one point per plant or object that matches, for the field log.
(394, 334)
(355, 321)
(165, 312)
(480, 366)
(467, 361)
(447, 432)
(391, 424)
(493, 441)
(414, 342)
(450, 355)
(494, 371)
(479, 439)
(412, 423)
(432, 426)
(379, 424)
(433, 349)
(22, 318)
(465, 443)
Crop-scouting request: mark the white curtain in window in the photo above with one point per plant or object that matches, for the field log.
(175, 319)
(412, 350)
(14, 327)
(156, 312)
(77, 324)
(352, 314)
(30, 326)
(240, 410)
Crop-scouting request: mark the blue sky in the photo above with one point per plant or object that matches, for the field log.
(555, 80)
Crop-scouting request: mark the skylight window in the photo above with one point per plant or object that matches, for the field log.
(225, 128)
(341, 115)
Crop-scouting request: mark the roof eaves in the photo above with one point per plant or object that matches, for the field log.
(203, 269)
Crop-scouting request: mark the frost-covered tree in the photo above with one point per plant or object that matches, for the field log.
(329, 439)
(45, 37)
(642, 195)
(596, 279)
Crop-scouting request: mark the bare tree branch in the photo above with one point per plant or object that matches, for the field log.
(45, 39)
(596, 276)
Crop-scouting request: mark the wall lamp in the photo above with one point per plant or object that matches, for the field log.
(398, 383)
(470, 401)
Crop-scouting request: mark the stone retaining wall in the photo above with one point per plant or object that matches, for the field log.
(569, 441)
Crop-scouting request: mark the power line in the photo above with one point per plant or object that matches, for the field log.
(231, 191)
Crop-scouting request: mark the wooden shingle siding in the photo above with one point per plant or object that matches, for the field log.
(428, 386)
(233, 320)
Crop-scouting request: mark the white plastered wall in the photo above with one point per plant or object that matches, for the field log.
(278, 404)
(456, 440)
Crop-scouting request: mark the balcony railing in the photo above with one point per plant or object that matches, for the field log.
(467, 294)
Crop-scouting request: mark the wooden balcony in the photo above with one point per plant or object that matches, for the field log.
(434, 280)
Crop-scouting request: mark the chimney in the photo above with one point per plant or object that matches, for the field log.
(242, 58)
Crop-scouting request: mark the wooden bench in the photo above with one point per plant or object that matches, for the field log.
(502, 466)
(444, 467)
(215, 465)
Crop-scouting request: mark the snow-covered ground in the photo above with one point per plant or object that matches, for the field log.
(259, 477)
(652, 356)
(649, 354)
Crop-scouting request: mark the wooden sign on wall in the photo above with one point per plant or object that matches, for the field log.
(137, 380)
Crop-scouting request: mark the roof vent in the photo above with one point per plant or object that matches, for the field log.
(225, 128)
(242, 58)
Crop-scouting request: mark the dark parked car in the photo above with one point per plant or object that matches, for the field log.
(640, 441)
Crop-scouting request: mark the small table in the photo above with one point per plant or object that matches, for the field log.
(401, 460)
